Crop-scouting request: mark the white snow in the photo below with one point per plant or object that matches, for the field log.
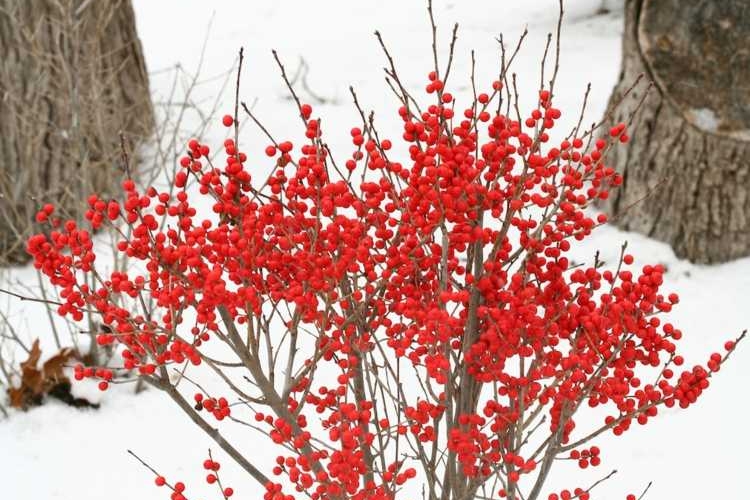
(56, 452)
(705, 119)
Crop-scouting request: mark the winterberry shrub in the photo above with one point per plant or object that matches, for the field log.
(408, 316)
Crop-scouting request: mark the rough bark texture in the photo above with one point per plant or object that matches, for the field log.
(687, 168)
(72, 79)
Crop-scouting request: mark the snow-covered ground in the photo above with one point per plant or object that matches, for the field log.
(56, 452)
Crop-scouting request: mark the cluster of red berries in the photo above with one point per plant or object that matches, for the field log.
(453, 260)
(213, 477)
(178, 488)
(105, 375)
(586, 457)
(219, 408)
(576, 494)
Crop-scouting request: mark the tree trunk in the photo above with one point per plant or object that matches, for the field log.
(687, 168)
(72, 80)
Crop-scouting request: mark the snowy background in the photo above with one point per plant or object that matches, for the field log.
(57, 452)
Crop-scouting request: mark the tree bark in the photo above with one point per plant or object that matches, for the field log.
(72, 80)
(686, 169)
